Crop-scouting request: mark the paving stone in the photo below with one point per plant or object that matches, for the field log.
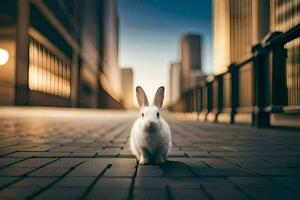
(151, 182)
(251, 162)
(81, 154)
(271, 193)
(113, 183)
(17, 193)
(254, 182)
(162, 182)
(82, 182)
(108, 194)
(221, 172)
(226, 193)
(13, 171)
(66, 162)
(283, 162)
(198, 154)
(22, 154)
(149, 170)
(180, 194)
(219, 163)
(149, 194)
(190, 162)
(29, 182)
(49, 171)
(6, 180)
(87, 171)
(276, 171)
(52, 154)
(119, 171)
(177, 172)
(289, 182)
(8, 161)
(33, 162)
(61, 193)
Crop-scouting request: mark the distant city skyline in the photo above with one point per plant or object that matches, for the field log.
(150, 35)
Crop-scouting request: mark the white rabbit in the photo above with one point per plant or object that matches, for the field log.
(150, 136)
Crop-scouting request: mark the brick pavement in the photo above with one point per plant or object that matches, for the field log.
(70, 154)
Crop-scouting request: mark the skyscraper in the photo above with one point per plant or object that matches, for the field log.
(191, 62)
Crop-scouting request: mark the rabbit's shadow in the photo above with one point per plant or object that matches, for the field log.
(171, 171)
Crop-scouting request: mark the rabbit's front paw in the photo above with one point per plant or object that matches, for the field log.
(144, 161)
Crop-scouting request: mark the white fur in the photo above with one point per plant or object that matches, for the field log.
(150, 136)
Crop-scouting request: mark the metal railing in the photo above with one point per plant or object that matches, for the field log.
(266, 81)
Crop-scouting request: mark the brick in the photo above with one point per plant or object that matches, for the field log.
(66, 162)
(162, 182)
(82, 182)
(29, 182)
(8, 161)
(13, 171)
(34, 162)
(184, 194)
(87, 171)
(113, 183)
(6, 180)
(17, 193)
(149, 170)
(149, 194)
(61, 193)
(108, 194)
(118, 171)
(49, 171)
(226, 193)
(221, 172)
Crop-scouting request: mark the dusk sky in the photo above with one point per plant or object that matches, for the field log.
(150, 33)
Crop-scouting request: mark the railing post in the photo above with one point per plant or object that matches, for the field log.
(220, 94)
(204, 101)
(234, 84)
(185, 103)
(209, 96)
(200, 99)
(278, 86)
(260, 117)
(190, 101)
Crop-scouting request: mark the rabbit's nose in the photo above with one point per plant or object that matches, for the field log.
(151, 124)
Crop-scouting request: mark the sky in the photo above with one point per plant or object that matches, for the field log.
(150, 33)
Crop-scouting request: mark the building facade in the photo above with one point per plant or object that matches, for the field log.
(237, 25)
(61, 53)
(191, 62)
(174, 82)
(284, 16)
(221, 42)
(127, 87)
(245, 23)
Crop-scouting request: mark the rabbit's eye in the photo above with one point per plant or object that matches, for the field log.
(142, 114)
(157, 114)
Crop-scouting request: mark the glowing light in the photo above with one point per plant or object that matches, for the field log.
(4, 56)
(47, 74)
(42, 84)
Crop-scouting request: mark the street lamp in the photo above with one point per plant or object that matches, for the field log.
(4, 56)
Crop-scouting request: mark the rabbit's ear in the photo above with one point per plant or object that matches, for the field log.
(141, 97)
(159, 97)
